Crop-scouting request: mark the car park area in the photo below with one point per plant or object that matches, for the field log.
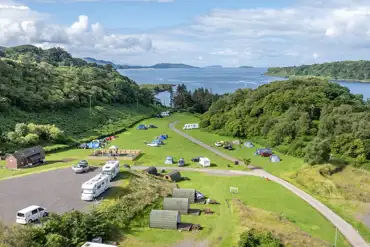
(58, 191)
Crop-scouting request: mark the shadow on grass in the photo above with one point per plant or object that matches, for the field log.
(213, 165)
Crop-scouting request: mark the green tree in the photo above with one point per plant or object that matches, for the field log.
(254, 238)
(56, 240)
(317, 152)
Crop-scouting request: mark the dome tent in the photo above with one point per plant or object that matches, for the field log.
(249, 144)
(274, 158)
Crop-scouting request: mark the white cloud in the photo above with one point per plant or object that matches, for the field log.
(307, 32)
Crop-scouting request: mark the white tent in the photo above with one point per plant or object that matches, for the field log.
(113, 147)
(274, 158)
(205, 162)
(168, 161)
(249, 144)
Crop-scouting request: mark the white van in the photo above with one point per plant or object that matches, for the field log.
(30, 214)
(95, 187)
(111, 168)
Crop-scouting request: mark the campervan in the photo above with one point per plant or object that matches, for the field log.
(30, 214)
(165, 114)
(111, 168)
(91, 244)
(95, 187)
(205, 162)
(191, 126)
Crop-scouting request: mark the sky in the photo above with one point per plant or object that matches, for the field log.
(231, 33)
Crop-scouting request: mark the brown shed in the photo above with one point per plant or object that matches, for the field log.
(25, 157)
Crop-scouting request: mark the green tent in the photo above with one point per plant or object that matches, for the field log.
(177, 204)
(184, 193)
(164, 219)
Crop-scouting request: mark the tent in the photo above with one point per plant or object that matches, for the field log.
(151, 170)
(184, 193)
(169, 161)
(159, 142)
(164, 219)
(274, 158)
(113, 147)
(204, 161)
(181, 162)
(177, 204)
(174, 176)
(141, 127)
(249, 144)
(93, 144)
(162, 137)
(236, 142)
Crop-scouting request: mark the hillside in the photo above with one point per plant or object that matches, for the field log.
(350, 70)
(309, 118)
(50, 86)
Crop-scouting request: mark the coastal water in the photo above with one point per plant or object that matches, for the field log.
(219, 80)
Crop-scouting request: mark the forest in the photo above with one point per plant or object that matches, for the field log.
(34, 81)
(350, 70)
(310, 118)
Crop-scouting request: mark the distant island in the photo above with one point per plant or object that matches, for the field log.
(343, 70)
(214, 66)
(156, 66)
(246, 67)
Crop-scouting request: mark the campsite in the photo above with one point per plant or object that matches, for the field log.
(256, 193)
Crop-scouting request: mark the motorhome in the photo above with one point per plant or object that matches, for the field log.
(165, 114)
(30, 214)
(95, 187)
(191, 126)
(111, 168)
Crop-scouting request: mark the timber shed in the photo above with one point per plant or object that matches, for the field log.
(151, 170)
(177, 204)
(26, 157)
(184, 193)
(174, 176)
(164, 219)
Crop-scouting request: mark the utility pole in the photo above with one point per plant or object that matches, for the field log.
(336, 236)
(90, 103)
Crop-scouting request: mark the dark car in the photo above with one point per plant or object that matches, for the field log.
(195, 159)
(153, 126)
(228, 146)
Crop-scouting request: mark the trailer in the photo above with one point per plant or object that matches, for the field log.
(191, 126)
(94, 187)
(111, 168)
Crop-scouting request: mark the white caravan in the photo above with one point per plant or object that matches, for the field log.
(90, 244)
(95, 187)
(30, 214)
(111, 168)
(204, 161)
(165, 114)
(191, 126)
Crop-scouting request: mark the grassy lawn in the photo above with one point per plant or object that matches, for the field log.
(287, 165)
(223, 228)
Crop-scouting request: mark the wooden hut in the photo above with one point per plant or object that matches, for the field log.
(25, 157)
(184, 193)
(164, 219)
(151, 170)
(174, 176)
(177, 204)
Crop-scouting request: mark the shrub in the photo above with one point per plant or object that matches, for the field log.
(254, 238)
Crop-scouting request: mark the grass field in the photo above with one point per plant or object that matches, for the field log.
(224, 227)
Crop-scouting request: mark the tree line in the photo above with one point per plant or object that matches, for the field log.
(310, 118)
(352, 70)
(197, 101)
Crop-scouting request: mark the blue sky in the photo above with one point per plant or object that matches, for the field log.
(199, 32)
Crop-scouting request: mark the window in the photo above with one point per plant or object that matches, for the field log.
(99, 187)
(20, 215)
(41, 209)
(34, 211)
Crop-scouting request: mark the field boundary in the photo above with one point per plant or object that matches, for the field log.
(348, 231)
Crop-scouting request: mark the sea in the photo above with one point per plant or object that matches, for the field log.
(218, 80)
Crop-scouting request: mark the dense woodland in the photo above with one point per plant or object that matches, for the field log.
(309, 118)
(197, 101)
(33, 80)
(352, 70)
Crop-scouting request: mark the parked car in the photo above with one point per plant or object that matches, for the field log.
(195, 159)
(218, 144)
(153, 144)
(30, 214)
(228, 146)
(127, 166)
(81, 167)
(181, 162)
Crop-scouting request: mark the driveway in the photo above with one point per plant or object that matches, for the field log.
(349, 232)
(58, 190)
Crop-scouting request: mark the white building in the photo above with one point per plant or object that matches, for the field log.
(95, 187)
(191, 126)
(205, 162)
(111, 168)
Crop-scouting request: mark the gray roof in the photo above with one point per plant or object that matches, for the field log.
(177, 204)
(184, 193)
(22, 154)
(151, 170)
(174, 176)
(164, 219)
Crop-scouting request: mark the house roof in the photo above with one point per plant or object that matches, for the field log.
(165, 219)
(25, 153)
(27, 209)
(176, 204)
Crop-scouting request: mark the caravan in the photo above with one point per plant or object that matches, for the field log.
(165, 114)
(111, 168)
(95, 187)
(191, 126)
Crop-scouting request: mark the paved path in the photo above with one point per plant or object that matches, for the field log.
(349, 232)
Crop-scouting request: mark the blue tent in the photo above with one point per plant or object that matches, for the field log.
(141, 127)
(162, 137)
(93, 144)
(159, 142)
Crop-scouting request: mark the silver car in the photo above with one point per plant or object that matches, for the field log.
(81, 167)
